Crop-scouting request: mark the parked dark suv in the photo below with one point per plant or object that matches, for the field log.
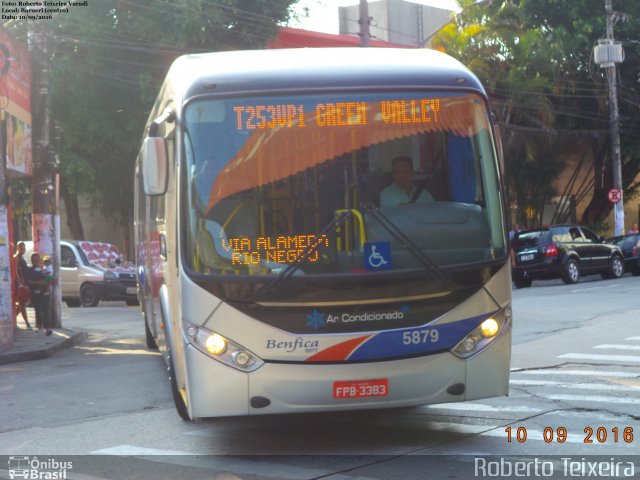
(563, 251)
(630, 246)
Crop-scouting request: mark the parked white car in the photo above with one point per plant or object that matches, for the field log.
(92, 271)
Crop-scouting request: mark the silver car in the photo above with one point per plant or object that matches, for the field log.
(92, 271)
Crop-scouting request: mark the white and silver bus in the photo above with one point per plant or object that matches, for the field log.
(321, 230)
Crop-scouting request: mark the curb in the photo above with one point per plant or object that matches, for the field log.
(38, 353)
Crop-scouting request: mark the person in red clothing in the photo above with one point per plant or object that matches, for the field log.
(22, 289)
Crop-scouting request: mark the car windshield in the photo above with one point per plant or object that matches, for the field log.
(339, 184)
(530, 239)
(102, 254)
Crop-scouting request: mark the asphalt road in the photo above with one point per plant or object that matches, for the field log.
(574, 395)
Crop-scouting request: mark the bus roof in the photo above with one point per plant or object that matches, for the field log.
(314, 68)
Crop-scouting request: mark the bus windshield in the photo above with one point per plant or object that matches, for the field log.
(339, 183)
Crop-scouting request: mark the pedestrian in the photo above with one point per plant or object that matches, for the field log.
(21, 288)
(513, 231)
(47, 272)
(39, 290)
(634, 228)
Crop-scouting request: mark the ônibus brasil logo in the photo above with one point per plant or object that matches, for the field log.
(34, 468)
(317, 320)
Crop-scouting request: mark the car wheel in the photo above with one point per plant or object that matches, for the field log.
(616, 268)
(571, 272)
(522, 282)
(73, 303)
(89, 295)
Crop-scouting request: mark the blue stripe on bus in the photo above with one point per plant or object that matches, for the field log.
(415, 341)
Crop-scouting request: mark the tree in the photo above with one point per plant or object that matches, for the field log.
(110, 59)
(513, 64)
(585, 19)
(534, 56)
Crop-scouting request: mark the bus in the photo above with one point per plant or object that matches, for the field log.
(323, 230)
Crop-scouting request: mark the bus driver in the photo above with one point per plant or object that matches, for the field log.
(402, 190)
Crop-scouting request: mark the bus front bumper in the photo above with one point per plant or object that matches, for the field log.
(215, 389)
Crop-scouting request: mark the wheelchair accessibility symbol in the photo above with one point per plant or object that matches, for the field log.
(377, 256)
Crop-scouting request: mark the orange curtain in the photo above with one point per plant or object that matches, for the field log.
(273, 154)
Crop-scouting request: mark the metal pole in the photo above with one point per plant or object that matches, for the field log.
(43, 189)
(615, 129)
(364, 21)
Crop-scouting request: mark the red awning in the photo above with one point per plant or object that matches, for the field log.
(298, 38)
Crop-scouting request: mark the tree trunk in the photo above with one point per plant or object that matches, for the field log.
(599, 206)
(73, 215)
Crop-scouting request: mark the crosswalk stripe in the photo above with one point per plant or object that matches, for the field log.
(619, 347)
(579, 386)
(611, 358)
(632, 338)
(132, 450)
(597, 399)
(479, 407)
(594, 373)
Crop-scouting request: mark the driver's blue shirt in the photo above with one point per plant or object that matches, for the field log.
(392, 196)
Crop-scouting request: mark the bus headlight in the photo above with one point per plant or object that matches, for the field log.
(215, 344)
(222, 349)
(489, 328)
(483, 334)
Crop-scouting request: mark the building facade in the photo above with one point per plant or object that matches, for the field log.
(397, 21)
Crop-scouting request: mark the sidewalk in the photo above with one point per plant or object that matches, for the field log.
(32, 345)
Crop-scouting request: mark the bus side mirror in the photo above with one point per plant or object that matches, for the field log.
(154, 165)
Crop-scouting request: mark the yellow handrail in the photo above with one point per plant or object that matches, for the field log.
(236, 210)
(360, 220)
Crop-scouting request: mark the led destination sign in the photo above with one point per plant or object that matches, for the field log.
(340, 114)
(279, 249)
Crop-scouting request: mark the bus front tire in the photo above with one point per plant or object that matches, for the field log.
(151, 342)
(181, 408)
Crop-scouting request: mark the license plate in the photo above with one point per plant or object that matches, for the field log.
(378, 387)
(132, 290)
(526, 258)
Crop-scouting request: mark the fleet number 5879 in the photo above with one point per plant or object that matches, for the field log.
(420, 336)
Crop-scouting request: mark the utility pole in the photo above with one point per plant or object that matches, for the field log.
(607, 53)
(46, 221)
(364, 21)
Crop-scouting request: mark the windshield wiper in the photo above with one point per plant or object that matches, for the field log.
(306, 253)
(417, 252)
